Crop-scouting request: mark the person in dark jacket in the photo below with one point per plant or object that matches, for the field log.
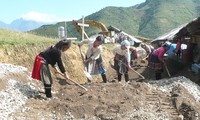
(52, 56)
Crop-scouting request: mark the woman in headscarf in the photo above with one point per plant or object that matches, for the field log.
(122, 60)
(93, 60)
(156, 60)
(51, 56)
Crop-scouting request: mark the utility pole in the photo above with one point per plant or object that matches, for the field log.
(65, 29)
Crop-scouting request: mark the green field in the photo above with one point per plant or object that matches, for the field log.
(8, 37)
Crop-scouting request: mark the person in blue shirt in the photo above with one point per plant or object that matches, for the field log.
(171, 49)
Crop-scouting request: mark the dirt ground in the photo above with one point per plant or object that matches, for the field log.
(139, 99)
(112, 100)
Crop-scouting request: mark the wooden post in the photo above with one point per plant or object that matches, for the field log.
(83, 25)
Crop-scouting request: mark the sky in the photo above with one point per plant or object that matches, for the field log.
(56, 10)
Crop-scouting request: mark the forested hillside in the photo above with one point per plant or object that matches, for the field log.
(149, 19)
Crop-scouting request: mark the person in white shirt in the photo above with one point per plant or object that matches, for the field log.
(122, 60)
(93, 60)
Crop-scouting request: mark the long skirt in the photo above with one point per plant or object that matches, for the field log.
(46, 79)
(155, 63)
(120, 64)
(45, 74)
(95, 67)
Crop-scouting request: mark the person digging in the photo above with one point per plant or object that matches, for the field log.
(156, 60)
(93, 61)
(50, 56)
(122, 60)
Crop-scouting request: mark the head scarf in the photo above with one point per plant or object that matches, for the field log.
(61, 43)
(126, 43)
(167, 44)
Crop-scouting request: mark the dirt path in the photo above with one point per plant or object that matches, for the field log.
(104, 101)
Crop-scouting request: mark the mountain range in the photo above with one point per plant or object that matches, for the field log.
(22, 25)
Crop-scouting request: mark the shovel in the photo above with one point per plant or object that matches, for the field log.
(112, 66)
(74, 82)
(138, 73)
(167, 70)
(135, 72)
(85, 69)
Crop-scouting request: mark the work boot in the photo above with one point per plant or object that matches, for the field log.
(126, 77)
(103, 75)
(119, 77)
(158, 76)
(48, 91)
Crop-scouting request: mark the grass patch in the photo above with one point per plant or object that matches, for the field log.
(8, 37)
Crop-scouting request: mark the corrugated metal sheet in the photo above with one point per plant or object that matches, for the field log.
(185, 29)
(170, 35)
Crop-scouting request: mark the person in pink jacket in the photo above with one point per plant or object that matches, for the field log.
(156, 60)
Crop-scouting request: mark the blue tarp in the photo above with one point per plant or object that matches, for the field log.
(173, 47)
